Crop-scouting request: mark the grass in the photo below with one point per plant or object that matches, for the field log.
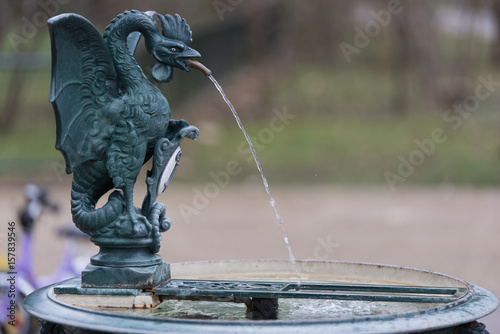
(351, 150)
(342, 133)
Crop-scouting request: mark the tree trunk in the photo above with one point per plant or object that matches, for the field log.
(495, 48)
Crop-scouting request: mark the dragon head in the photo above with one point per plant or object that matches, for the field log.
(171, 48)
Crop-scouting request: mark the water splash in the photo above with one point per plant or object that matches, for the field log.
(272, 202)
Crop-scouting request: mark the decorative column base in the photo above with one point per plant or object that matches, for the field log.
(125, 277)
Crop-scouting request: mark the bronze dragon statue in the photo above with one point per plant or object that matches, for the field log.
(111, 120)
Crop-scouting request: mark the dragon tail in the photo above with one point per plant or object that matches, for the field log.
(88, 187)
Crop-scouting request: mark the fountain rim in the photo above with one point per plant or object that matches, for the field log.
(474, 292)
(286, 261)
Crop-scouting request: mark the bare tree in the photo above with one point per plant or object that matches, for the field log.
(401, 59)
(495, 49)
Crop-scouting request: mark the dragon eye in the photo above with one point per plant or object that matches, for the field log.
(174, 49)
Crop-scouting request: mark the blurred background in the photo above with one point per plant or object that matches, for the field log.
(376, 123)
(363, 80)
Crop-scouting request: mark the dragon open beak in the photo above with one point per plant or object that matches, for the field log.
(183, 58)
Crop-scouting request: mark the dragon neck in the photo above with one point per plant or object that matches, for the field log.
(129, 72)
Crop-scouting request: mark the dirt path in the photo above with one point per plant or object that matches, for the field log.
(449, 230)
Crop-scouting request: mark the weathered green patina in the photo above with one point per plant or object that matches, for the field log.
(110, 121)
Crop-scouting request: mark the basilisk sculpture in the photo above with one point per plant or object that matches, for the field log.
(110, 121)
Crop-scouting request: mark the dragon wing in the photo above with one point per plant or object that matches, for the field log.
(84, 84)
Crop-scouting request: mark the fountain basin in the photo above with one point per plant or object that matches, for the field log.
(296, 316)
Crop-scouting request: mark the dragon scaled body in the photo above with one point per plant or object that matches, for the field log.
(111, 119)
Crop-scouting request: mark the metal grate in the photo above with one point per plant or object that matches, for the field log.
(363, 292)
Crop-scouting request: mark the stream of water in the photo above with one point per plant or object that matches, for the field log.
(272, 202)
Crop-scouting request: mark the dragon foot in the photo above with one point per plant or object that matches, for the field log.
(130, 226)
(141, 227)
